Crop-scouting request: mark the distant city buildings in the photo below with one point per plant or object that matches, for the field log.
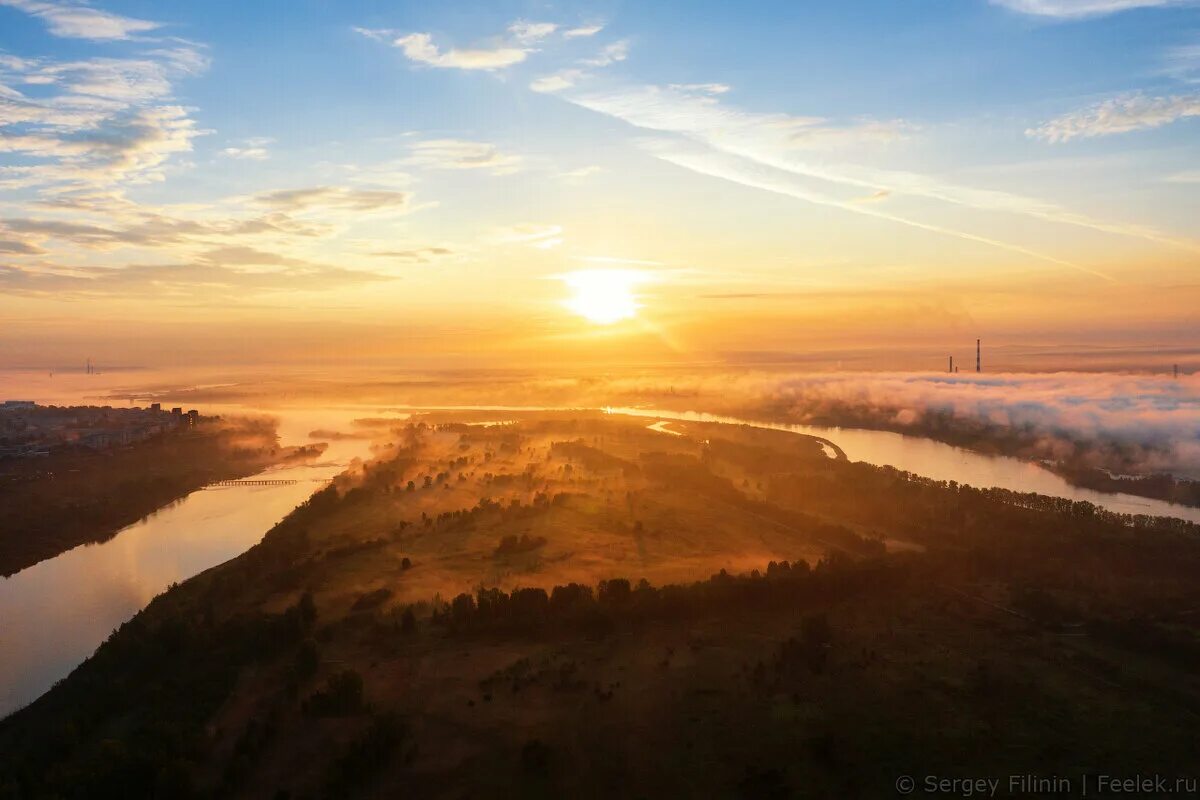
(28, 430)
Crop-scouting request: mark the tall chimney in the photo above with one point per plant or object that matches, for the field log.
(977, 355)
(952, 363)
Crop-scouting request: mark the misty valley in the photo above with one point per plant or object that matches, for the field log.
(578, 603)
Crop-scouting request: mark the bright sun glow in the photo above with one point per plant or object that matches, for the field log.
(603, 296)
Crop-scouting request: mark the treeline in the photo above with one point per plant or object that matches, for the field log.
(1016, 441)
(1159, 486)
(1102, 558)
(618, 602)
(1060, 506)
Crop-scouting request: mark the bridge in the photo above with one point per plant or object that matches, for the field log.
(266, 482)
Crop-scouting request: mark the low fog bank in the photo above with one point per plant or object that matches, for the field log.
(1119, 423)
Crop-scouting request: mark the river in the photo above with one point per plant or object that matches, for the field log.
(944, 462)
(54, 614)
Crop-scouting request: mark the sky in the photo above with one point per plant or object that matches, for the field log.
(534, 182)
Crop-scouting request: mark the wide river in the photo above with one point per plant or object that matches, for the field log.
(54, 614)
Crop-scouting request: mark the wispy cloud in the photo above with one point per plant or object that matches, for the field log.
(97, 121)
(609, 54)
(583, 31)
(700, 88)
(874, 197)
(781, 141)
(415, 255)
(1080, 9)
(556, 82)
(1118, 115)
(461, 154)
(249, 150)
(1183, 63)
(1187, 176)
(177, 279)
(737, 170)
(568, 77)
(527, 32)
(543, 237)
(581, 172)
(130, 147)
(420, 47)
(335, 197)
(78, 21)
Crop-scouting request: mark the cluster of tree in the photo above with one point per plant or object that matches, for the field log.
(1006, 527)
(1071, 560)
(617, 601)
(763, 458)
(1160, 486)
(593, 458)
(512, 545)
(514, 510)
(373, 599)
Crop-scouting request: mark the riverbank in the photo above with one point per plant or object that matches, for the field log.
(78, 496)
(62, 608)
(1073, 459)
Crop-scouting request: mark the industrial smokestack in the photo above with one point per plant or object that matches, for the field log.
(977, 355)
(951, 363)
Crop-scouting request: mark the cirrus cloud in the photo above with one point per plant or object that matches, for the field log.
(420, 48)
(76, 21)
(1080, 9)
(463, 154)
(1117, 115)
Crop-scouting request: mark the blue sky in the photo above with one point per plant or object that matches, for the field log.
(766, 176)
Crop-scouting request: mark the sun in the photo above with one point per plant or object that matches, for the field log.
(603, 296)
